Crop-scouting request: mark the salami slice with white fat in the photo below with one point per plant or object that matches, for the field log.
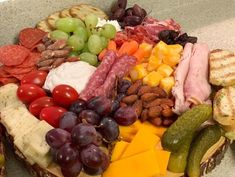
(99, 76)
(120, 68)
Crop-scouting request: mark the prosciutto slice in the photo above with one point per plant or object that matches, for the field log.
(197, 88)
(180, 77)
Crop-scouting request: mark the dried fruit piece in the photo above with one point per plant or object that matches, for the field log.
(155, 102)
(130, 99)
(138, 106)
(144, 89)
(149, 97)
(144, 115)
(134, 88)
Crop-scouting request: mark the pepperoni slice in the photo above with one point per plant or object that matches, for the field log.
(8, 80)
(16, 70)
(12, 55)
(3, 73)
(29, 37)
(31, 60)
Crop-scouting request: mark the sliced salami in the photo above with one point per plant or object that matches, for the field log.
(8, 80)
(30, 37)
(16, 70)
(3, 73)
(120, 68)
(12, 55)
(31, 60)
(99, 76)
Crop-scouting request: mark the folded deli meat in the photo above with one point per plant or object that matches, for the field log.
(192, 86)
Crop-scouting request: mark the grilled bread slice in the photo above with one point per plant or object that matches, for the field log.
(82, 10)
(44, 26)
(224, 106)
(65, 13)
(222, 70)
(51, 19)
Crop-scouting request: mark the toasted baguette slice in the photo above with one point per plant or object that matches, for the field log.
(51, 19)
(65, 13)
(222, 70)
(82, 10)
(44, 26)
(224, 106)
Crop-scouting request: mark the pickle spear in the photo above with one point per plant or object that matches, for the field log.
(205, 139)
(185, 125)
(178, 160)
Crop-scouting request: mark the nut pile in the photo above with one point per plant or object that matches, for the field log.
(53, 54)
(151, 104)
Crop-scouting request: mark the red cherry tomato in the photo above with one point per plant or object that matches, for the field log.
(37, 105)
(64, 95)
(52, 115)
(36, 77)
(29, 92)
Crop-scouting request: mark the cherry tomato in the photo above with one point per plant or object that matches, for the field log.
(36, 77)
(52, 115)
(29, 92)
(64, 95)
(37, 105)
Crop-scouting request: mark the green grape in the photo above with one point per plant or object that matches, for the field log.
(57, 35)
(95, 44)
(104, 42)
(76, 43)
(91, 20)
(89, 58)
(109, 31)
(96, 31)
(82, 33)
(66, 24)
(89, 31)
(85, 49)
(73, 54)
(78, 22)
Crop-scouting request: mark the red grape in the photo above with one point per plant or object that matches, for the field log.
(125, 116)
(78, 106)
(123, 85)
(56, 138)
(73, 169)
(83, 134)
(98, 140)
(90, 116)
(101, 105)
(68, 121)
(109, 129)
(66, 154)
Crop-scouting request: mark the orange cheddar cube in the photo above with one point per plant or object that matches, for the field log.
(165, 70)
(153, 79)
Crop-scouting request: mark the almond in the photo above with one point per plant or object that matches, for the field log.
(167, 102)
(167, 113)
(157, 121)
(159, 91)
(167, 122)
(130, 99)
(134, 88)
(144, 115)
(144, 89)
(138, 106)
(149, 97)
(155, 102)
(155, 111)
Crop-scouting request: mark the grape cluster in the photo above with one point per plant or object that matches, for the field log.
(75, 145)
(86, 40)
(132, 16)
(174, 37)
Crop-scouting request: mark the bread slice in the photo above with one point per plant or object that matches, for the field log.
(222, 70)
(44, 26)
(65, 13)
(224, 106)
(51, 19)
(82, 10)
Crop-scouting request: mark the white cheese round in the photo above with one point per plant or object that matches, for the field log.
(75, 74)
(102, 22)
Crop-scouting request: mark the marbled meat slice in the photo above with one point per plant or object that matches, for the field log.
(98, 77)
(12, 55)
(29, 37)
(120, 68)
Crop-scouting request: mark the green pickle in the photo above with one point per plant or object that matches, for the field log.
(204, 140)
(185, 125)
(178, 161)
(2, 160)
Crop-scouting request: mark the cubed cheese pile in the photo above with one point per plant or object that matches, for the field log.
(159, 66)
(140, 157)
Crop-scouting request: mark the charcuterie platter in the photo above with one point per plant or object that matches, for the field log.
(87, 94)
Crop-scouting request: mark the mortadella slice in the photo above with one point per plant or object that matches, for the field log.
(99, 76)
(180, 77)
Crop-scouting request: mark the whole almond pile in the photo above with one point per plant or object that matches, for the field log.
(151, 104)
(53, 54)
